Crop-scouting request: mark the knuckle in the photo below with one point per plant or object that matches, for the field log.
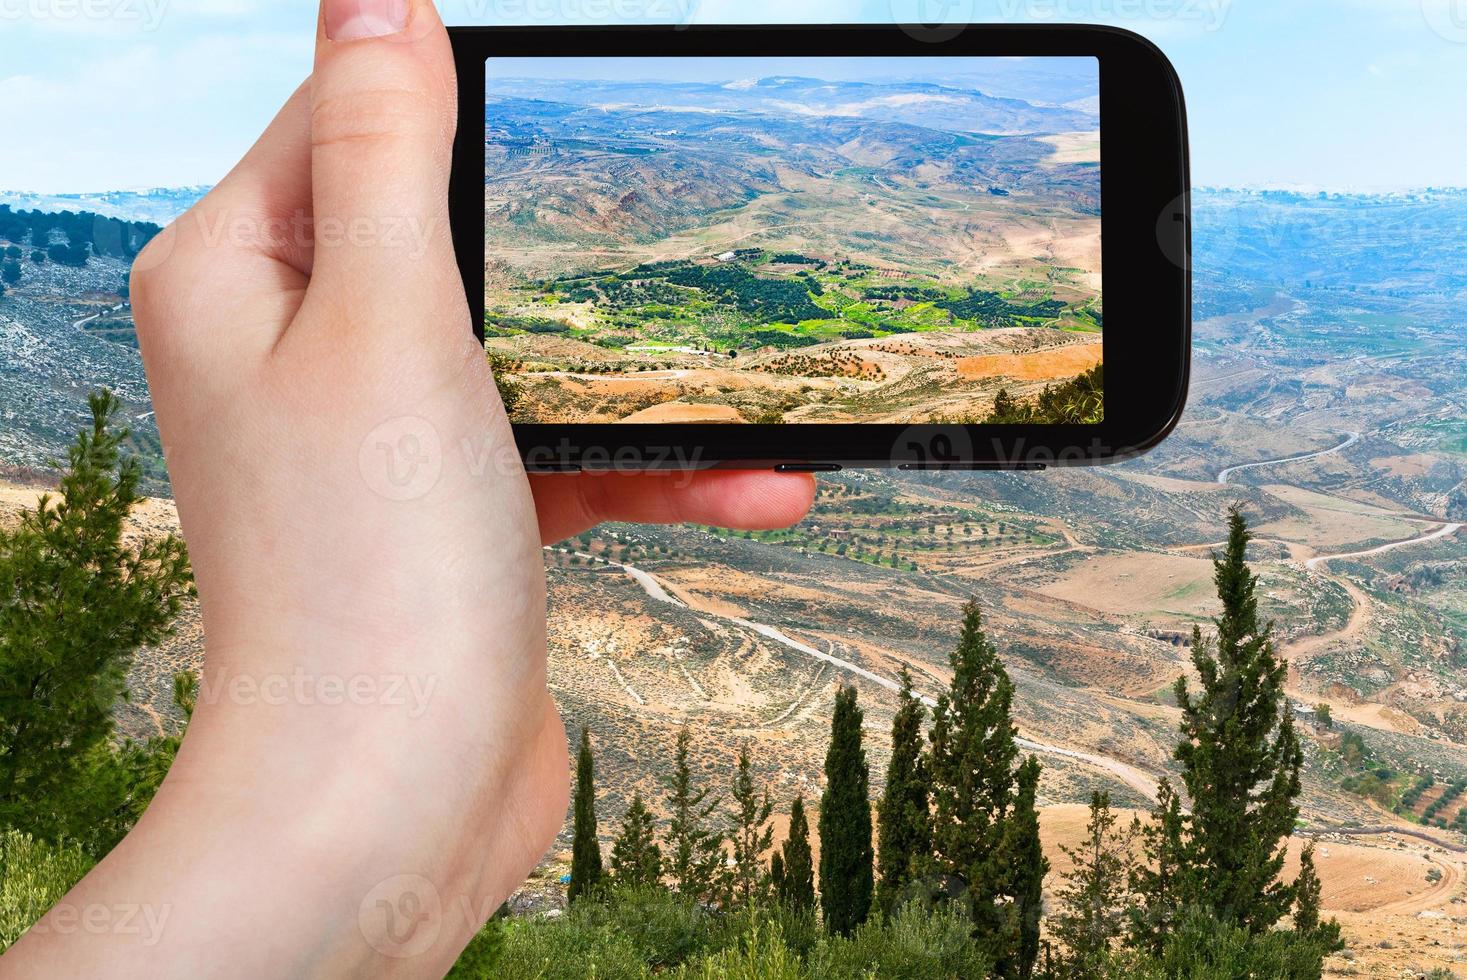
(372, 116)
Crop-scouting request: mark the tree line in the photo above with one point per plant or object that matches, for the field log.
(1195, 889)
(1197, 885)
(86, 234)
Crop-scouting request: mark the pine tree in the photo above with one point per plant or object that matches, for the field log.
(972, 774)
(904, 823)
(585, 876)
(1240, 755)
(1156, 882)
(636, 859)
(846, 872)
(1092, 915)
(76, 603)
(776, 875)
(796, 886)
(694, 851)
(1025, 867)
(749, 833)
(1307, 890)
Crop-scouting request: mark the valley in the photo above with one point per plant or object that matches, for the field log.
(1327, 401)
(785, 250)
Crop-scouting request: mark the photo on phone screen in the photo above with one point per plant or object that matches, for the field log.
(823, 240)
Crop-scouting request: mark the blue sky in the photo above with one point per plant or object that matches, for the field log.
(1351, 94)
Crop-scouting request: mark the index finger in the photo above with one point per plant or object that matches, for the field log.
(746, 500)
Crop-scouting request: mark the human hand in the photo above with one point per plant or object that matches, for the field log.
(298, 325)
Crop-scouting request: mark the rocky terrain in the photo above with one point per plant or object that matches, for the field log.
(1327, 400)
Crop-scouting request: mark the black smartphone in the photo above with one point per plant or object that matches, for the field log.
(820, 247)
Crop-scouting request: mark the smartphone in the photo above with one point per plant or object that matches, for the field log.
(825, 247)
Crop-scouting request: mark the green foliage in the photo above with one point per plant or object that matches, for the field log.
(846, 872)
(973, 758)
(481, 957)
(1079, 401)
(85, 232)
(749, 832)
(10, 272)
(904, 823)
(572, 948)
(511, 392)
(1025, 866)
(1307, 891)
(911, 944)
(585, 876)
(1207, 949)
(1239, 754)
(694, 849)
(37, 875)
(636, 860)
(76, 603)
(761, 955)
(795, 886)
(992, 310)
(1092, 903)
(1156, 882)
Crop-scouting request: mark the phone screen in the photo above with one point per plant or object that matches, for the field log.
(885, 240)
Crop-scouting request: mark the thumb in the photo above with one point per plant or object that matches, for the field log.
(383, 112)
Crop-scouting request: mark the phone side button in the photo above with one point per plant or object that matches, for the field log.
(807, 468)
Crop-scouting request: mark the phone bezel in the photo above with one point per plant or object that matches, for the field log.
(1146, 247)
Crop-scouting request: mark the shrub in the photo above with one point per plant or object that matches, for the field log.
(36, 875)
(762, 955)
(913, 944)
(1204, 949)
(662, 928)
(567, 949)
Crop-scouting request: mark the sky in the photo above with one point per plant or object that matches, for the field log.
(1332, 94)
(721, 69)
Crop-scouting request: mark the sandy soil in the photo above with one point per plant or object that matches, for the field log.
(1132, 584)
(683, 412)
(1396, 922)
(1049, 365)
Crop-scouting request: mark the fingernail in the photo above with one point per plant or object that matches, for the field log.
(352, 20)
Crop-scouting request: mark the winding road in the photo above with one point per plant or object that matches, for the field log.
(1137, 780)
(1225, 475)
(1445, 531)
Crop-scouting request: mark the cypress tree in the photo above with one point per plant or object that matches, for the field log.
(1307, 903)
(846, 872)
(972, 774)
(1240, 755)
(796, 886)
(1092, 913)
(694, 850)
(585, 874)
(635, 857)
(1156, 881)
(904, 823)
(749, 832)
(776, 875)
(1026, 866)
(77, 601)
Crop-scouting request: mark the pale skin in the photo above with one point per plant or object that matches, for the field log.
(375, 762)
